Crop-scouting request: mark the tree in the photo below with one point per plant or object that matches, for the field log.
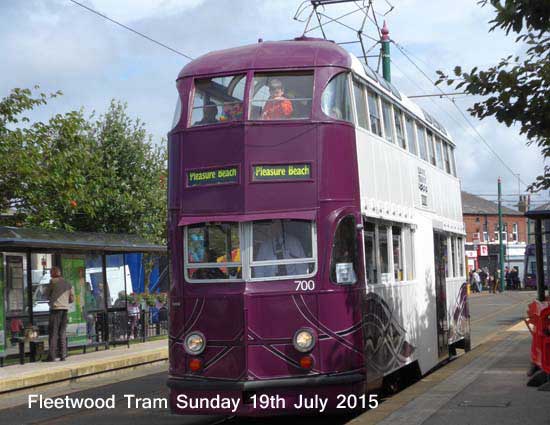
(78, 173)
(517, 89)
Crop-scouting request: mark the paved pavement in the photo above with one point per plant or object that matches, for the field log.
(463, 391)
(485, 386)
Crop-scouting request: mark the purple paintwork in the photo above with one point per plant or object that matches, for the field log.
(249, 326)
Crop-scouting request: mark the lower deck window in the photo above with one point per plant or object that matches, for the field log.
(282, 248)
(389, 251)
(266, 249)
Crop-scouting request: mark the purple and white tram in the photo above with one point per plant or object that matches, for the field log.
(315, 231)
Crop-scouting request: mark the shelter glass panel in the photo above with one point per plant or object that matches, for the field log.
(218, 99)
(336, 98)
(281, 96)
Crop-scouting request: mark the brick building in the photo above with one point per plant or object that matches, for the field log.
(482, 236)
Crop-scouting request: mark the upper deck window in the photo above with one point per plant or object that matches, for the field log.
(374, 113)
(281, 96)
(218, 99)
(431, 148)
(398, 117)
(421, 142)
(360, 104)
(439, 153)
(411, 141)
(335, 101)
(388, 125)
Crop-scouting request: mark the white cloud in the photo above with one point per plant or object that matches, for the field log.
(62, 46)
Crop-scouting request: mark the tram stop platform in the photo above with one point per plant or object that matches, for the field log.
(31, 375)
(485, 386)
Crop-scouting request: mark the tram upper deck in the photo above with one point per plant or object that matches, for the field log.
(351, 135)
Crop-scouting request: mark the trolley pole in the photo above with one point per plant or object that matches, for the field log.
(501, 242)
(386, 68)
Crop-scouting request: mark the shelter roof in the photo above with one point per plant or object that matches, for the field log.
(23, 237)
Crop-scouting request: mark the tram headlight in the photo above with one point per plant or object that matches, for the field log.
(195, 343)
(304, 340)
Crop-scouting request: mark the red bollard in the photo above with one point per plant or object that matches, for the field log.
(538, 323)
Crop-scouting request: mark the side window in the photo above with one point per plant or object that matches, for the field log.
(335, 101)
(439, 153)
(177, 113)
(409, 252)
(388, 125)
(343, 263)
(371, 254)
(374, 114)
(453, 256)
(452, 155)
(421, 141)
(431, 149)
(446, 157)
(398, 269)
(383, 250)
(460, 251)
(400, 132)
(411, 140)
(281, 96)
(360, 104)
(217, 100)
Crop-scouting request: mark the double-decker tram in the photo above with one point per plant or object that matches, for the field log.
(315, 231)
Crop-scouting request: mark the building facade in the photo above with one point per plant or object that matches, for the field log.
(482, 234)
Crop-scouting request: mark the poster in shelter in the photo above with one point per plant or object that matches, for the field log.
(74, 272)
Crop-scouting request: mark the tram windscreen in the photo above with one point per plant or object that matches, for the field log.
(217, 100)
(281, 96)
(213, 252)
(282, 248)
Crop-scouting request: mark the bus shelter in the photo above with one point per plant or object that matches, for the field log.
(542, 249)
(119, 281)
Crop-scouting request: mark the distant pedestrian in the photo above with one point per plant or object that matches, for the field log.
(60, 293)
(477, 280)
(483, 276)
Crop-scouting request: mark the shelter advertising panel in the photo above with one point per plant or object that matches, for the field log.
(74, 273)
(2, 312)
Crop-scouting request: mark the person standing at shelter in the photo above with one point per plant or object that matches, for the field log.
(60, 293)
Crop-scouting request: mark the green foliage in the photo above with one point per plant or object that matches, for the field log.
(76, 173)
(517, 89)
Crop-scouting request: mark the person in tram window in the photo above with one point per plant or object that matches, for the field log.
(277, 107)
(280, 245)
(211, 272)
(209, 114)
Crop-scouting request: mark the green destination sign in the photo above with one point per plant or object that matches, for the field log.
(281, 172)
(212, 176)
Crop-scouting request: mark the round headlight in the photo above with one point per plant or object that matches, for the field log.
(195, 343)
(304, 340)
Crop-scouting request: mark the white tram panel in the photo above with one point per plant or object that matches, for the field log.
(389, 190)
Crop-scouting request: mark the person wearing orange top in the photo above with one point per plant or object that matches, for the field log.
(277, 107)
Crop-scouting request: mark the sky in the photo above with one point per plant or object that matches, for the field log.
(61, 46)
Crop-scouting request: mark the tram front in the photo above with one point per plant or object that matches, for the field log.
(264, 211)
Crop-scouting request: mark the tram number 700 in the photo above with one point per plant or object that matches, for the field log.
(305, 285)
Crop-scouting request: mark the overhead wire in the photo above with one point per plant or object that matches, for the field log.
(131, 29)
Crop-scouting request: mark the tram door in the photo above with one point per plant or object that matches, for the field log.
(440, 258)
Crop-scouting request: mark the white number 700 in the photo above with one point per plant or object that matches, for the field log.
(305, 285)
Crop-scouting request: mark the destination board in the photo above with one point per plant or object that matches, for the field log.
(281, 172)
(213, 176)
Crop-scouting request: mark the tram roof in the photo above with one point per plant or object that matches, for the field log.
(302, 52)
